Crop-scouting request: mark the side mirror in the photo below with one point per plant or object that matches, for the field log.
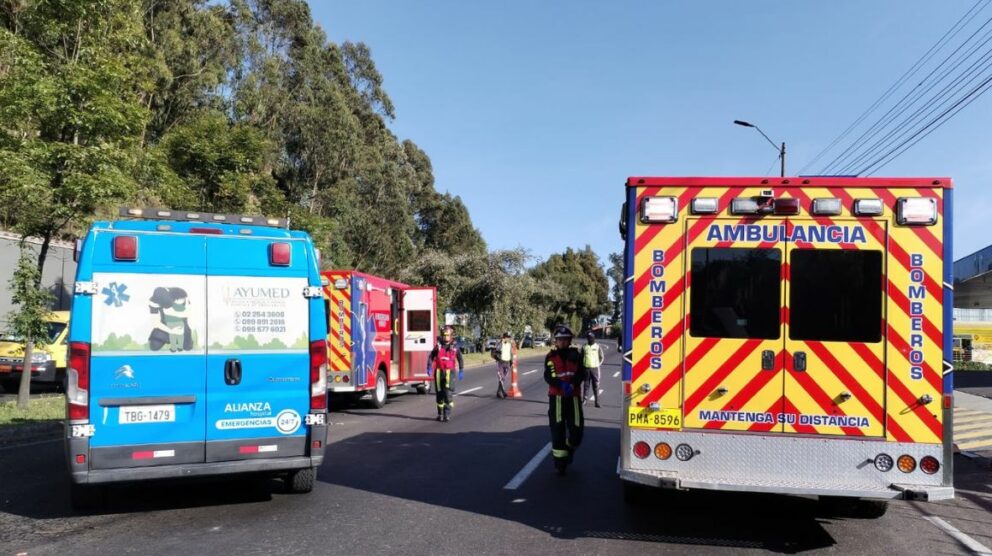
(77, 247)
(623, 221)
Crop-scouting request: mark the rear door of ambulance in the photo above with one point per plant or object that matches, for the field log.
(147, 331)
(257, 348)
(340, 340)
(419, 329)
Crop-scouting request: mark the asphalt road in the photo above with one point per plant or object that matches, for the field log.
(397, 481)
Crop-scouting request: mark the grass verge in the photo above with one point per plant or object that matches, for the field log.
(483, 358)
(44, 408)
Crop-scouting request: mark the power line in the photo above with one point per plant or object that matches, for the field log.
(972, 96)
(951, 33)
(905, 102)
(957, 85)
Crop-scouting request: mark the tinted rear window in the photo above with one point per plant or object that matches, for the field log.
(835, 295)
(735, 293)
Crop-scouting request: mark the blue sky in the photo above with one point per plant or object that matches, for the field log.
(535, 112)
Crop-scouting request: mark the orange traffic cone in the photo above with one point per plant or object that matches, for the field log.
(514, 391)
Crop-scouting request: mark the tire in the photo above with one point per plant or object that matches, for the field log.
(422, 388)
(86, 497)
(846, 506)
(379, 391)
(301, 481)
(635, 494)
(871, 509)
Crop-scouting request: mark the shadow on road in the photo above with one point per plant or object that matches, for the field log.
(588, 503)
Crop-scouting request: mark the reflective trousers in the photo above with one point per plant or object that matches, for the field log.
(567, 423)
(442, 389)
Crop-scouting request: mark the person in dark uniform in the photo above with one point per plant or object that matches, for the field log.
(444, 359)
(564, 373)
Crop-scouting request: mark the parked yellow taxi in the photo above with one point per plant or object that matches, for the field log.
(48, 361)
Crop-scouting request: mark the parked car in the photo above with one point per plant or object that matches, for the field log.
(542, 340)
(491, 343)
(47, 361)
(466, 344)
(527, 341)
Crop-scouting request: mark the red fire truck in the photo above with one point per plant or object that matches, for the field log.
(379, 334)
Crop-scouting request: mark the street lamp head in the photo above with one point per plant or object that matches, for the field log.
(743, 123)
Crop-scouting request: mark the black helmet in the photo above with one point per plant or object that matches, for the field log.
(563, 332)
(507, 335)
(590, 336)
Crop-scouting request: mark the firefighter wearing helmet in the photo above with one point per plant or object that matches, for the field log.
(442, 362)
(564, 373)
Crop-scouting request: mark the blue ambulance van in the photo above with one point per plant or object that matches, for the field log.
(197, 347)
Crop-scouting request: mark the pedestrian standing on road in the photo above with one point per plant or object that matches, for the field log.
(592, 360)
(564, 373)
(505, 354)
(443, 360)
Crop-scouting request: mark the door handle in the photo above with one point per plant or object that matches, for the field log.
(767, 360)
(232, 372)
(799, 362)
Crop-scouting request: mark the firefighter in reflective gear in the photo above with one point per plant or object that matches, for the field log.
(564, 373)
(443, 361)
(592, 359)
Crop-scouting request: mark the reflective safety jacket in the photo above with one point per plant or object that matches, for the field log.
(592, 355)
(446, 357)
(561, 367)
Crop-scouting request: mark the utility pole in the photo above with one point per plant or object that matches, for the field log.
(781, 150)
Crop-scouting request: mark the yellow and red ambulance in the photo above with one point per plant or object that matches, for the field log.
(788, 335)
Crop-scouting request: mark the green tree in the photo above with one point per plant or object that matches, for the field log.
(28, 319)
(71, 86)
(583, 286)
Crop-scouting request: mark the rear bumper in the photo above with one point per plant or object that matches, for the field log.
(784, 464)
(80, 473)
(106, 476)
(671, 480)
(44, 372)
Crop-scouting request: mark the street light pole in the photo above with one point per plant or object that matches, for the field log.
(781, 150)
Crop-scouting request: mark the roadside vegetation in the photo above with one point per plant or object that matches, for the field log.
(245, 106)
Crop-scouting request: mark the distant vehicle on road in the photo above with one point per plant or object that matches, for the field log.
(48, 361)
(491, 343)
(466, 344)
(542, 340)
(183, 364)
(380, 333)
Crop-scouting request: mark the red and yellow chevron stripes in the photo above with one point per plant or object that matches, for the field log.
(883, 384)
(339, 338)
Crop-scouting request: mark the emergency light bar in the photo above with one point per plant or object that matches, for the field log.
(916, 211)
(829, 206)
(659, 210)
(705, 205)
(868, 207)
(191, 216)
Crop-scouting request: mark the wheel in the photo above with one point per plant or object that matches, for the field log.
(871, 509)
(301, 480)
(86, 497)
(379, 392)
(846, 506)
(422, 388)
(635, 494)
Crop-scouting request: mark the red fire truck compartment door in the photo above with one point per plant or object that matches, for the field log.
(419, 330)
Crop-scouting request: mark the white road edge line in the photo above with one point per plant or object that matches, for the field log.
(522, 475)
(460, 392)
(970, 543)
(530, 371)
(616, 374)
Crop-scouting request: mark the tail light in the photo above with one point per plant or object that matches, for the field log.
(279, 254)
(641, 449)
(662, 450)
(929, 465)
(684, 452)
(906, 464)
(77, 390)
(125, 248)
(884, 463)
(318, 375)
